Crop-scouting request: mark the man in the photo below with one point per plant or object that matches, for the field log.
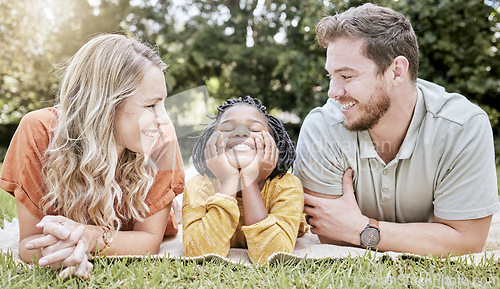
(393, 162)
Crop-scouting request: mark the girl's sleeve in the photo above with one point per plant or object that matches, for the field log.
(209, 219)
(278, 232)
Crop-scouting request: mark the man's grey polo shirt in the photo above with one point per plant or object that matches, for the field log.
(444, 168)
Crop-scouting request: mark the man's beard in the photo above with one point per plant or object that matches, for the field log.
(371, 112)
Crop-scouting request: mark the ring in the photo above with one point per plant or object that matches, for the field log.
(307, 221)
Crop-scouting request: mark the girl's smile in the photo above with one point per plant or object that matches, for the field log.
(241, 124)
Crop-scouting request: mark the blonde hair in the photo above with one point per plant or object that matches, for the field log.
(87, 181)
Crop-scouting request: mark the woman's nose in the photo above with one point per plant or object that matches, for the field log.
(161, 116)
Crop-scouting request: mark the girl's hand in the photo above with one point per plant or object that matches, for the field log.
(216, 159)
(264, 162)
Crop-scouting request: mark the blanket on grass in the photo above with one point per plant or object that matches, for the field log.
(306, 247)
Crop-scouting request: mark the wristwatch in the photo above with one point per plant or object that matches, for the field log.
(370, 236)
(107, 237)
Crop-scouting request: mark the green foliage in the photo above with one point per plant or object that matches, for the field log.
(459, 43)
(458, 46)
(265, 49)
(498, 179)
(268, 50)
(24, 72)
(36, 37)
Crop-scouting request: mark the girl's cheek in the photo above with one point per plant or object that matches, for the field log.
(257, 135)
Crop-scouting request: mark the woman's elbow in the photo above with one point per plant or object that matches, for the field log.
(154, 246)
(28, 258)
(155, 250)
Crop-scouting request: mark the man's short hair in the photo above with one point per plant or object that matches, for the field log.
(385, 32)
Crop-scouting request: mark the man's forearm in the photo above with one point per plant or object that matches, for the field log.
(438, 238)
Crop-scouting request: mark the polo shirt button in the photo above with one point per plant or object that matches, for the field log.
(385, 191)
(384, 172)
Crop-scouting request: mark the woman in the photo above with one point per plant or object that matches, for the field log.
(97, 173)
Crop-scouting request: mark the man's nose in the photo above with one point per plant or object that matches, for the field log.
(336, 90)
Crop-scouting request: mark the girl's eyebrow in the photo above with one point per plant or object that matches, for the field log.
(251, 120)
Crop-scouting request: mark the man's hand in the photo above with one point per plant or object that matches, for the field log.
(340, 220)
(337, 218)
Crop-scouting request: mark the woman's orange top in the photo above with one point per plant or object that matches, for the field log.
(22, 177)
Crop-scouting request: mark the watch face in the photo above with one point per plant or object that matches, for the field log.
(109, 236)
(370, 237)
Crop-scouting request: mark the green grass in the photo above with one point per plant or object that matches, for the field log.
(7, 206)
(174, 273)
(345, 273)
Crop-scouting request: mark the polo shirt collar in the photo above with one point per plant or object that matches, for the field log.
(410, 140)
(367, 150)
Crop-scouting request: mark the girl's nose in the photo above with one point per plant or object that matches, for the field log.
(241, 131)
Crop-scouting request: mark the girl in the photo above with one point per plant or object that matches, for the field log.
(244, 196)
(83, 173)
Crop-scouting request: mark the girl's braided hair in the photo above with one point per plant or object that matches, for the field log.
(283, 142)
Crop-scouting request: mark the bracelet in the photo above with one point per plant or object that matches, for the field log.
(107, 237)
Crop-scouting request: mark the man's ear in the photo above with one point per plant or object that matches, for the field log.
(399, 68)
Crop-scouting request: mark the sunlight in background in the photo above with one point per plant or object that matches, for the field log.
(181, 12)
(95, 4)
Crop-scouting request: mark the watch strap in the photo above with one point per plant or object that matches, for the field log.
(107, 238)
(373, 224)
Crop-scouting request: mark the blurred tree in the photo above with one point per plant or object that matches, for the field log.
(35, 36)
(259, 48)
(459, 43)
(265, 49)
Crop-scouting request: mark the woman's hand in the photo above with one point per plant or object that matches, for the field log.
(81, 270)
(264, 162)
(64, 243)
(216, 160)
